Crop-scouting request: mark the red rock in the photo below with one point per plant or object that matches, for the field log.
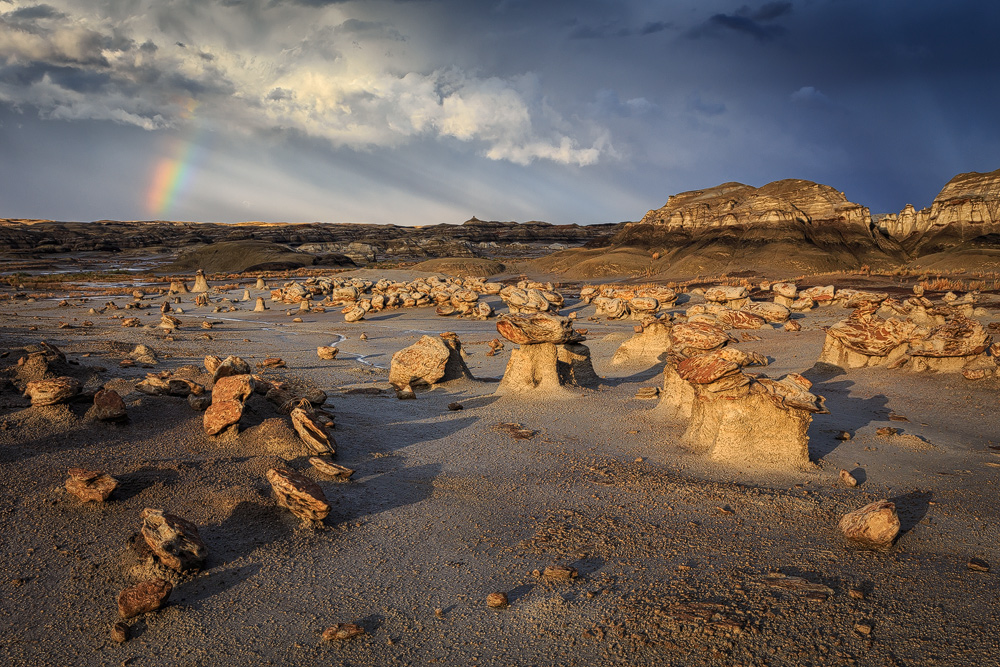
(50, 392)
(221, 415)
(143, 597)
(233, 388)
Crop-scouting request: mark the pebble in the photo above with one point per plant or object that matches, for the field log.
(342, 632)
(978, 565)
(496, 600)
(119, 632)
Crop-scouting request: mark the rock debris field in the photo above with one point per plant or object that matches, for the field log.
(228, 477)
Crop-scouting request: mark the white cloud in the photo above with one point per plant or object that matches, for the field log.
(338, 79)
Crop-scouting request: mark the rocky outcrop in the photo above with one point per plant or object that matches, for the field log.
(967, 207)
(794, 225)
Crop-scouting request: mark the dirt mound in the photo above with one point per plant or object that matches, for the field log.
(239, 256)
(461, 266)
(586, 263)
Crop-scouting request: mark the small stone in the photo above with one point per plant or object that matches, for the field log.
(560, 572)
(792, 325)
(886, 431)
(856, 593)
(863, 629)
(273, 362)
(978, 565)
(331, 469)
(455, 406)
(843, 435)
(90, 485)
(327, 352)
(200, 403)
(363, 336)
(874, 525)
(119, 632)
(848, 479)
(143, 597)
(109, 406)
(297, 320)
(496, 600)
(405, 393)
(342, 632)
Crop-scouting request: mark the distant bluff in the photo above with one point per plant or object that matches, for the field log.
(792, 225)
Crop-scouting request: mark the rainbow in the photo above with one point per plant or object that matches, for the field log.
(173, 173)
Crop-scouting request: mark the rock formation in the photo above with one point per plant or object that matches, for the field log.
(649, 346)
(550, 358)
(200, 283)
(429, 361)
(50, 392)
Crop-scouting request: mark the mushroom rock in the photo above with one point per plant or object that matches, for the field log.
(260, 283)
(784, 293)
(770, 312)
(649, 346)
(864, 339)
(175, 541)
(691, 338)
(737, 417)
(612, 308)
(550, 356)
(821, 295)
(200, 283)
(428, 361)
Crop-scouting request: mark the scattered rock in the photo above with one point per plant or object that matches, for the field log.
(863, 629)
(142, 598)
(233, 388)
(405, 393)
(108, 406)
(50, 392)
(327, 352)
(342, 632)
(648, 393)
(313, 434)
(515, 431)
(273, 362)
(299, 494)
(331, 469)
(455, 406)
(496, 600)
(874, 525)
(174, 541)
(797, 585)
(978, 565)
(119, 632)
(428, 361)
(199, 403)
(843, 435)
(90, 485)
(231, 366)
(848, 479)
(560, 572)
(220, 415)
(886, 431)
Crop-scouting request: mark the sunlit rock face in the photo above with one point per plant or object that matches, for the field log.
(967, 207)
(800, 225)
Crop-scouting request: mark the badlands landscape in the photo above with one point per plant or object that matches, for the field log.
(755, 427)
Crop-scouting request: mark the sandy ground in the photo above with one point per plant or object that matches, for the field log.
(673, 552)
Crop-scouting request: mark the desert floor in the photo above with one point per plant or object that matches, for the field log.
(673, 551)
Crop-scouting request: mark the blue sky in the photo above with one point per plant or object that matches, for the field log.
(428, 111)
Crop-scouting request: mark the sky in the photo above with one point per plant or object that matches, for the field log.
(418, 112)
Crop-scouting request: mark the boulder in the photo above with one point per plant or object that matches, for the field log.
(220, 415)
(108, 406)
(230, 366)
(233, 388)
(875, 525)
(697, 338)
(327, 352)
(144, 597)
(174, 541)
(429, 361)
(329, 468)
(739, 319)
(49, 392)
(299, 494)
(90, 485)
(864, 339)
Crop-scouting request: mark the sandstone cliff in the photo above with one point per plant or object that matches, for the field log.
(966, 209)
(791, 225)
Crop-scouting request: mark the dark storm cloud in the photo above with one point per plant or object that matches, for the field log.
(615, 30)
(753, 22)
(34, 12)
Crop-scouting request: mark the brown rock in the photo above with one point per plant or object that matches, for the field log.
(978, 565)
(299, 494)
(273, 362)
(886, 431)
(331, 469)
(50, 392)
(90, 485)
(537, 328)
(560, 572)
(119, 632)
(422, 363)
(342, 632)
(327, 352)
(313, 434)
(233, 388)
(455, 406)
(874, 525)
(792, 325)
(220, 415)
(848, 479)
(108, 406)
(143, 597)
(230, 366)
(174, 541)
(496, 600)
